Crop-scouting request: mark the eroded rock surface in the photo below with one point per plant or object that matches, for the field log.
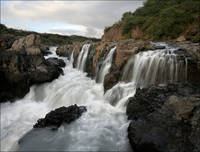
(61, 115)
(165, 119)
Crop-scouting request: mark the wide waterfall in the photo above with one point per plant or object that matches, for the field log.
(83, 57)
(105, 67)
(102, 128)
(160, 66)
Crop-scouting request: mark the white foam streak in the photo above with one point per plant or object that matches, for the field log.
(83, 57)
(105, 67)
(155, 67)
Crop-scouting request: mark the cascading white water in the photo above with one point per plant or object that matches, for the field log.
(102, 128)
(52, 50)
(72, 57)
(155, 67)
(105, 67)
(83, 57)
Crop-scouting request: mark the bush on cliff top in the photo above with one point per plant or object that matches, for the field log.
(161, 19)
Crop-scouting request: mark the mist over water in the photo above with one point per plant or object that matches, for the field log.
(102, 127)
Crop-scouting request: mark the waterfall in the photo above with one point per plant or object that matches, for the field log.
(72, 58)
(102, 128)
(105, 67)
(155, 67)
(83, 57)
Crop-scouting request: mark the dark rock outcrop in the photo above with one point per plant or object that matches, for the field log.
(6, 41)
(22, 66)
(56, 61)
(64, 50)
(61, 115)
(45, 50)
(90, 60)
(165, 119)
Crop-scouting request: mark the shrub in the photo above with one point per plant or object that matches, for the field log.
(107, 28)
(130, 22)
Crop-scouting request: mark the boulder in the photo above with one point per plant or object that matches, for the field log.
(52, 132)
(56, 61)
(165, 119)
(61, 115)
(64, 50)
(45, 50)
(29, 41)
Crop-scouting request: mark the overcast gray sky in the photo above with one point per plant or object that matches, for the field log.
(86, 18)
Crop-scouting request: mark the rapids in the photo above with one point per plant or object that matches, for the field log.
(102, 128)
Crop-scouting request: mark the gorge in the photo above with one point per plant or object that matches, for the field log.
(129, 91)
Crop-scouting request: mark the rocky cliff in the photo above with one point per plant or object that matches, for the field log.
(23, 65)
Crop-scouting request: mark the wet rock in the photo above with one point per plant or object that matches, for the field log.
(111, 79)
(56, 61)
(61, 115)
(165, 119)
(192, 52)
(90, 61)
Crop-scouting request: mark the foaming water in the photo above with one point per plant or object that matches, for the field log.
(83, 57)
(160, 66)
(53, 52)
(105, 66)
(102, 128)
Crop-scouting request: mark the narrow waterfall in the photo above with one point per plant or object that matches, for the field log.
(105, 67)
(83, 57)
(72, 58)
(156, 67)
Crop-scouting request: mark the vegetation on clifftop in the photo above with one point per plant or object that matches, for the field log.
(47, 39)
(165, 19)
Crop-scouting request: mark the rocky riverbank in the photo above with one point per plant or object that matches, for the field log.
(22, 64)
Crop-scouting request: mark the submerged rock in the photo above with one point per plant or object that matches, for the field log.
(61, 115)
(165, 119)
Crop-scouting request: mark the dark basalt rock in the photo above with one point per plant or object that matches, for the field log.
(165, 119)
(56, 61)
(61, 115)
